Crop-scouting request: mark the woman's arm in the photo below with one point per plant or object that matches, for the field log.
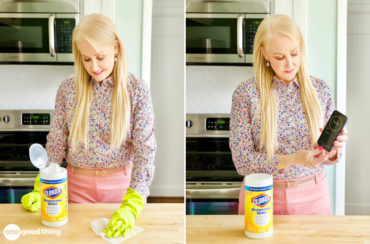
(144, 144)
(246, 159)
(56, 144)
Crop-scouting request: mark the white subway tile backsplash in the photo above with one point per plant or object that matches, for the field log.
(31, 86)
(209, 89)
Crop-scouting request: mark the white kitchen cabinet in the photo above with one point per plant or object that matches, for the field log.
(167, 91)
(134, 21)
(106, 7)
(296, 9)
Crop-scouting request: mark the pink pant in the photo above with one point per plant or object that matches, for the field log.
(84, 188)
(309, 198)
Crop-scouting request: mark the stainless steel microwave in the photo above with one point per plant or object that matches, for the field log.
(37, 31)
(222, 32)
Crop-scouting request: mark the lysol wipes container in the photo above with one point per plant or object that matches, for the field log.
(53, 186)
(258, 205)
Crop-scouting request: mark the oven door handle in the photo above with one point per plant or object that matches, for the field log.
(213, 193)
(51, 35)
(239, 36)
(16, 182)
(19, 179)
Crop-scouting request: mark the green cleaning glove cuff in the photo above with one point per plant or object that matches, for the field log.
(133, 202)
(36, 184)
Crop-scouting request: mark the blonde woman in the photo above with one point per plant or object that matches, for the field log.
(103, 126)
(276, 118)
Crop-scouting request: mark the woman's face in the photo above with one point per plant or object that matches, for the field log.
(98, 63)
(284, 56)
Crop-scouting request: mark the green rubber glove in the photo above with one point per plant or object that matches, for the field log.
(32, 200)
(123, 219)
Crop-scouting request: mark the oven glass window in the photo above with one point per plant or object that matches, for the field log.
(14, 148)
(24, 35)
(211, 206)
(207, 35)
(206, 154)
(11, 194)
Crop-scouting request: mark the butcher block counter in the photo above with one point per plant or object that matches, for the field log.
(162, 223)
(287, 229)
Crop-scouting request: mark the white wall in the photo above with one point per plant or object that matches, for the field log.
(358, 87)
(167, 89)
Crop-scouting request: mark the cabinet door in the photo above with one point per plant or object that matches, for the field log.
(106, 7)
(297, 9)
(134, 22)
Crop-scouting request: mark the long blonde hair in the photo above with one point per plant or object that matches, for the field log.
(269, 27)
(98, 30)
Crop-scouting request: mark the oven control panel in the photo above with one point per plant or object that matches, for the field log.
(217, 124)
(35, 119)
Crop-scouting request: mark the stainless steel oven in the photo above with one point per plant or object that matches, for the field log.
(37, 31)
(18, 130)
(212, 182)
(222, 32)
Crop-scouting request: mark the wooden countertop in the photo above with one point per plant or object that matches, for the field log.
(162, 223)
(287, 229)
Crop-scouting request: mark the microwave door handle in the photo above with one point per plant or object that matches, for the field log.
(51, 35)
(239, 36)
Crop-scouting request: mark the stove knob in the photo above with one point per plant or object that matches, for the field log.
(189, 123)
(6, 118)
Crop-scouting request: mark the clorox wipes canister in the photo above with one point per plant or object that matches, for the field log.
(258, 205)
(53, 186)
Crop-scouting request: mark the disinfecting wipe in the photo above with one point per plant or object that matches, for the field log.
(258, 206)
(53, 186)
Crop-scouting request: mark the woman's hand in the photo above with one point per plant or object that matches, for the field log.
(123, 219)
(310, 158)
(338, 144)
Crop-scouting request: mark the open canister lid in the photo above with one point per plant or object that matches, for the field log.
(38, 156)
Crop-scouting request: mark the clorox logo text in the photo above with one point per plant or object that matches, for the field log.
(52, 192)
(261, 200)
